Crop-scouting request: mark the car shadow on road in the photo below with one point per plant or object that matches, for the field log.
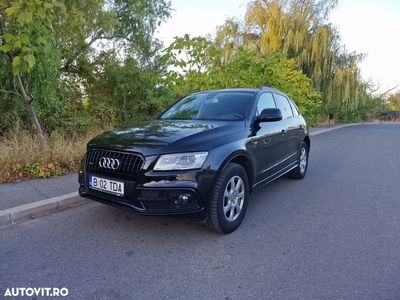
(122, 221)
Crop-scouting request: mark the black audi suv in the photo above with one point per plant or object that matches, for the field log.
(201, 157)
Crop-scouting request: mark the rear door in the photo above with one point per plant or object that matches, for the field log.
(294, 128)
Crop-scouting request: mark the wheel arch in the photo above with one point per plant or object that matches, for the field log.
(308, 143)
(245, 162)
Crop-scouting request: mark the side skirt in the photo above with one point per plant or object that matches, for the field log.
(274, 176)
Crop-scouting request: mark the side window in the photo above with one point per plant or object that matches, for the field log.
(284, 106)
(265, 101)
(295, 110)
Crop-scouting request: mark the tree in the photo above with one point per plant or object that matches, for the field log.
(98, 38)
(88, 35)
(123, 92)
(199, 64)
(190, 61)
(26, 37)
(299, 29)
(394, 102)
(94, 29)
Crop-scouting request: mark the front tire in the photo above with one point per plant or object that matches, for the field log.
(229, 203)
(300, 171)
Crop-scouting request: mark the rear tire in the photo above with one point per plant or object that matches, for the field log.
(300, 171)
(229, 202)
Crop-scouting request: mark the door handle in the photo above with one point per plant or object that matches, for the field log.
(283, 132)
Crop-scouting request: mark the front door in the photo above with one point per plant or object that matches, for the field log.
(270, 140)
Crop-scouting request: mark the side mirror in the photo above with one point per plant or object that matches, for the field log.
(269, 115)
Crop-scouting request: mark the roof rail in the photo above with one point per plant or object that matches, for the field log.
(264, 87)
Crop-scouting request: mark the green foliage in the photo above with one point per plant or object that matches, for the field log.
(50, 169)
(371, 109)
(394, 102)
(61, 50)
(93, 36)
(247, 68)
(54, 54)
(282, 74)
(26, 38)
(124, 92)
(30, 34)
(92, 31)
(190, 61)
(10, 106)
(299, 29)
(38, 170)
(42, 85)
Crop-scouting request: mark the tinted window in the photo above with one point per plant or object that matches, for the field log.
(266, 101)
(284, 106)
(295, 110)
(186, 108)
(211, 106)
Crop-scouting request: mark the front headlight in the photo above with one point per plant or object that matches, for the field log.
(181, 161)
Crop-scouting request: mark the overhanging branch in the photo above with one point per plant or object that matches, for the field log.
(96, 38)
(12, 92)
(389, 90)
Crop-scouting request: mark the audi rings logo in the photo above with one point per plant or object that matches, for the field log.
(109, 163)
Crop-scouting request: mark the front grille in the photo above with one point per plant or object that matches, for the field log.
(128, 169)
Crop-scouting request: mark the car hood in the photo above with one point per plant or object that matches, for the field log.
(167, 136)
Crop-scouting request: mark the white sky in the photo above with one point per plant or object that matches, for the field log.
(366, 26)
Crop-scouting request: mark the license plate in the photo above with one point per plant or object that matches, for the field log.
(106, 185)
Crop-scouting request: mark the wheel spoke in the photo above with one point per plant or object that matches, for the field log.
(227, 194)
(232, 215)
(303, 160)
(228, 206)
(238, 185)
(238, 207)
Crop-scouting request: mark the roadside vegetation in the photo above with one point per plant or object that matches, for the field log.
(71, 69)
(22, 157)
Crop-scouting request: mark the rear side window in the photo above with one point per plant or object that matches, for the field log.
(295, 110)
(284, 106)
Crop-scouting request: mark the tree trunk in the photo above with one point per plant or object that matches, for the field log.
(28, 100)
(31, 110)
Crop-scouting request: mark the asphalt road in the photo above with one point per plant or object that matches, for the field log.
(332, 235)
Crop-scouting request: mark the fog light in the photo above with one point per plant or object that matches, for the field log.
(182, 199)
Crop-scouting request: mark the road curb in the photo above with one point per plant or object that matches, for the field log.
(330, 129)
(11, 216)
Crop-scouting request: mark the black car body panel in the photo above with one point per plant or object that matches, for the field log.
(263, 143)
(156, 137)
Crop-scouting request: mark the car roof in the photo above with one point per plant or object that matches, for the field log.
(264, 88)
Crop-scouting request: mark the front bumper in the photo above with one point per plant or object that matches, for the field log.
(183, 194)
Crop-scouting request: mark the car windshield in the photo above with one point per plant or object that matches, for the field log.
(231, 106)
